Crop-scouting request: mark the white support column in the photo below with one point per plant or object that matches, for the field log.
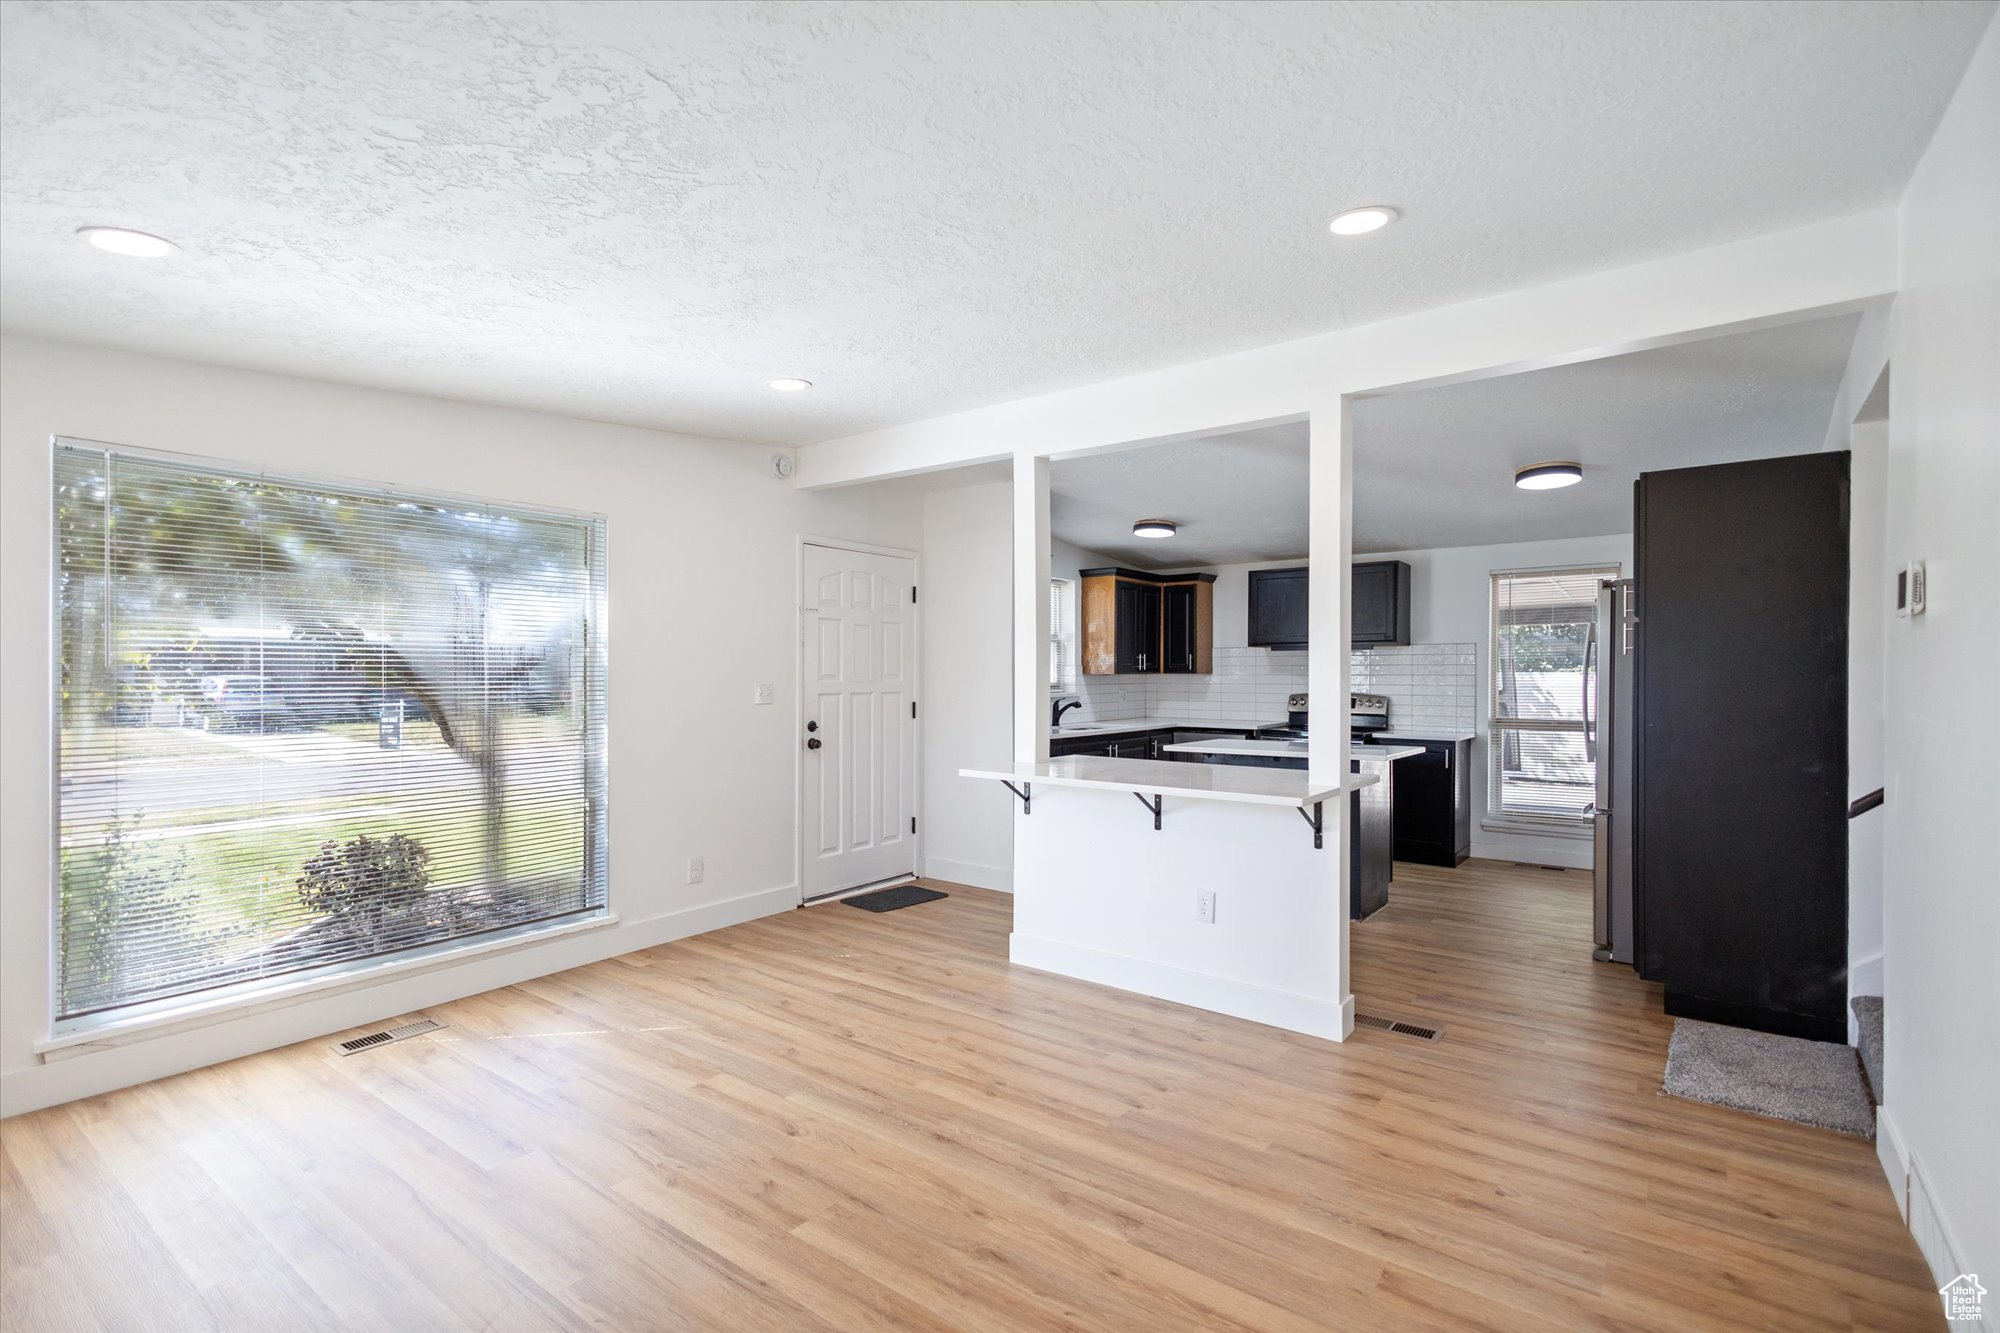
(1331, 514)
(1031, 608)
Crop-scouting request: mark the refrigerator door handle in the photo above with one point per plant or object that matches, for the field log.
(1589, 694)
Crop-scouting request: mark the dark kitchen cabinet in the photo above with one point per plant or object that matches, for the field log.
(1379, 606)
(1177, 627)
(1091, 745)
(1740, 710)
(1135, 623)
(1433, 795)
(1278, 608)
(1138, 622)
(1380, 611)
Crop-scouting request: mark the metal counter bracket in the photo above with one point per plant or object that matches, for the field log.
(1316, 821)
(1027, 805)
(1153, 805)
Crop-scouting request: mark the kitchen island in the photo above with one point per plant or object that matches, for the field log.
(1371, 811)
(1216, 886)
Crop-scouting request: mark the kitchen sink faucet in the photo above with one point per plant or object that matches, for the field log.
(1059, 705)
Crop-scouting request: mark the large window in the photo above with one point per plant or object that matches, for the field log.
(309, 726)
(1539, 771)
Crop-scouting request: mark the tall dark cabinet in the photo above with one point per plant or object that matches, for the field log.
(1740, 840)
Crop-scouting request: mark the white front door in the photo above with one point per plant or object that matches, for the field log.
(858, 718)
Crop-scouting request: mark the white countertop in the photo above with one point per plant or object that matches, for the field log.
(1397, 734)
(1284, 749)
(1124, 724)
(1162, 777)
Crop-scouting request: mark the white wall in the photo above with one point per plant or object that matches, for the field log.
(1869, 615)
(702, 604)
(1941, 928)
(1452, 590)
(967, 601)
(1859, 423)
(1101, 895)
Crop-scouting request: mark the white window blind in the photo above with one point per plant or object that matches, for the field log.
(308, 726)
(1538, 769)
(1062, 637)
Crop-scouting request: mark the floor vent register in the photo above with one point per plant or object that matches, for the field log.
(401, 1032)
(1398, 1026)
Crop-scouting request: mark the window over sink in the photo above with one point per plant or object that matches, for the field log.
(1062, 636)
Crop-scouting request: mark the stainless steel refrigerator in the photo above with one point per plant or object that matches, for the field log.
(1607, 735)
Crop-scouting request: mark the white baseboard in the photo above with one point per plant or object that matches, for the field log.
(1895, 1161)
(973, 873)
(1918, 1204)
(86, 1073)
(1313, 1015)
(1570, 853)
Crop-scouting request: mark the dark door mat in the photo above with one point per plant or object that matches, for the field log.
(1814, 1083)
(888, 900)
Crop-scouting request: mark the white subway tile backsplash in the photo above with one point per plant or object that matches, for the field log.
(1431, 686)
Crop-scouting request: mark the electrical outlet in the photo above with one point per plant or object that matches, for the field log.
(1917, 589)
(1204, 907)
(763, 694)
(697, 868)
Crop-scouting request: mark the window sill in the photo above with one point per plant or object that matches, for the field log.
(279, 995)
(1554, 829)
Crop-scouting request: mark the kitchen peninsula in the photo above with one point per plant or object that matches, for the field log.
(1101, 842)
(1371, 806)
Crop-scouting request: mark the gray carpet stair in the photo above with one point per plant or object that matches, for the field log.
(1868, 1017)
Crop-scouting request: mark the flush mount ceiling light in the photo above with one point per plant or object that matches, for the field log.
(1361, 221)
(1548, 476)
(791, 385)
(1154, 527)
(119, 241)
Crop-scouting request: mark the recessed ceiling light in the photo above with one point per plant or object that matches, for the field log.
(119, 241)
(1361, 221)
(1548, 476)
(1154, 527)
(791, 386)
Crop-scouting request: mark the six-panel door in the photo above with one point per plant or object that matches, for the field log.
(859, 626)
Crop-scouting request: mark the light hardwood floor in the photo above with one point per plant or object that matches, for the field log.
(837, 1120)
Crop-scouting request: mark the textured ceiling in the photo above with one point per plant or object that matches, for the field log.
(641, 212)
(1237, 497)
(1435, 467)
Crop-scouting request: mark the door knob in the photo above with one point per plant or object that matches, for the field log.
(812, 726)
(813, 744)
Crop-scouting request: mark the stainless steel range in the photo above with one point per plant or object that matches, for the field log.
(1367, 714)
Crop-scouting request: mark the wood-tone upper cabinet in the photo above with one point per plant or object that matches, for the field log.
(1136, 623)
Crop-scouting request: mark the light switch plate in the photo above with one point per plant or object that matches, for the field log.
(763, 694)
